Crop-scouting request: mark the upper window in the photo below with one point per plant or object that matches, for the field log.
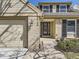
(46, 8)
(62, 8)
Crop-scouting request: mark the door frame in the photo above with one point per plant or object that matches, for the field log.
(42, 29)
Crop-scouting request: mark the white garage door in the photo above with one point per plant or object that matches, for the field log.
(11, 33)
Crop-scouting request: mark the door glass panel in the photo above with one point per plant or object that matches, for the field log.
(46, 29)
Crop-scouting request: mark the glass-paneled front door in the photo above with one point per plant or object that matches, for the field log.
(45, 29)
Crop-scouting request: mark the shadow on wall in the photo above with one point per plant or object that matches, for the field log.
(10, 35)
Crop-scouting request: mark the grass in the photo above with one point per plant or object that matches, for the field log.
(71, 55)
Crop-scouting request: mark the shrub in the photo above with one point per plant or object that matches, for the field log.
(68, 45)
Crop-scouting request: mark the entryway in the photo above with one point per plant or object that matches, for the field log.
(45, 29)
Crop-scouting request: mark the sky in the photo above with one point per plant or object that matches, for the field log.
(35, 2)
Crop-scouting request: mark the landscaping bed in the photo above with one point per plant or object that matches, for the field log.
(69, 47)
(71, 55)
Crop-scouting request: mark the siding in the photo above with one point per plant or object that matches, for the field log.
(58, 28)
(18, 9)
(33, 31)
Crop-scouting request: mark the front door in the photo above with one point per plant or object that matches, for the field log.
(45, 29)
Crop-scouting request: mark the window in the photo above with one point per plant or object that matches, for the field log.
(46, 8)
(62, 8)
(71, 26)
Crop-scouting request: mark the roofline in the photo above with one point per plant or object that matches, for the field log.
(35, 9)
(54, 3)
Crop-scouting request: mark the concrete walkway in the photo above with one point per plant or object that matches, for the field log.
(49, 46)
(49, 51)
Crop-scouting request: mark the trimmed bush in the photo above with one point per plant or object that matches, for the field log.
(68, 45)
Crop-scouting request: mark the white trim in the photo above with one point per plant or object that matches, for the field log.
(75, 27)
(66, 27)
(54, 9)
(35, 9)
(61, 28)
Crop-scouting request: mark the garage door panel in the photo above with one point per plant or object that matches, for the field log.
(12, 22)
(12, 33)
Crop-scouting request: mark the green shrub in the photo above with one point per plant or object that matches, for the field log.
(68, 45)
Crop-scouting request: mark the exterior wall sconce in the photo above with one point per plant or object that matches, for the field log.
(30, 24)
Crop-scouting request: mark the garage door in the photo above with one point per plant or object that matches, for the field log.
(12, 33)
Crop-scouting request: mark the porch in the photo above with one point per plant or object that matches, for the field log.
(60, 28)
(47, 28)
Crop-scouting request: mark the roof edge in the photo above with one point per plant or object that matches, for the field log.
(35, 9)
(54, 3)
